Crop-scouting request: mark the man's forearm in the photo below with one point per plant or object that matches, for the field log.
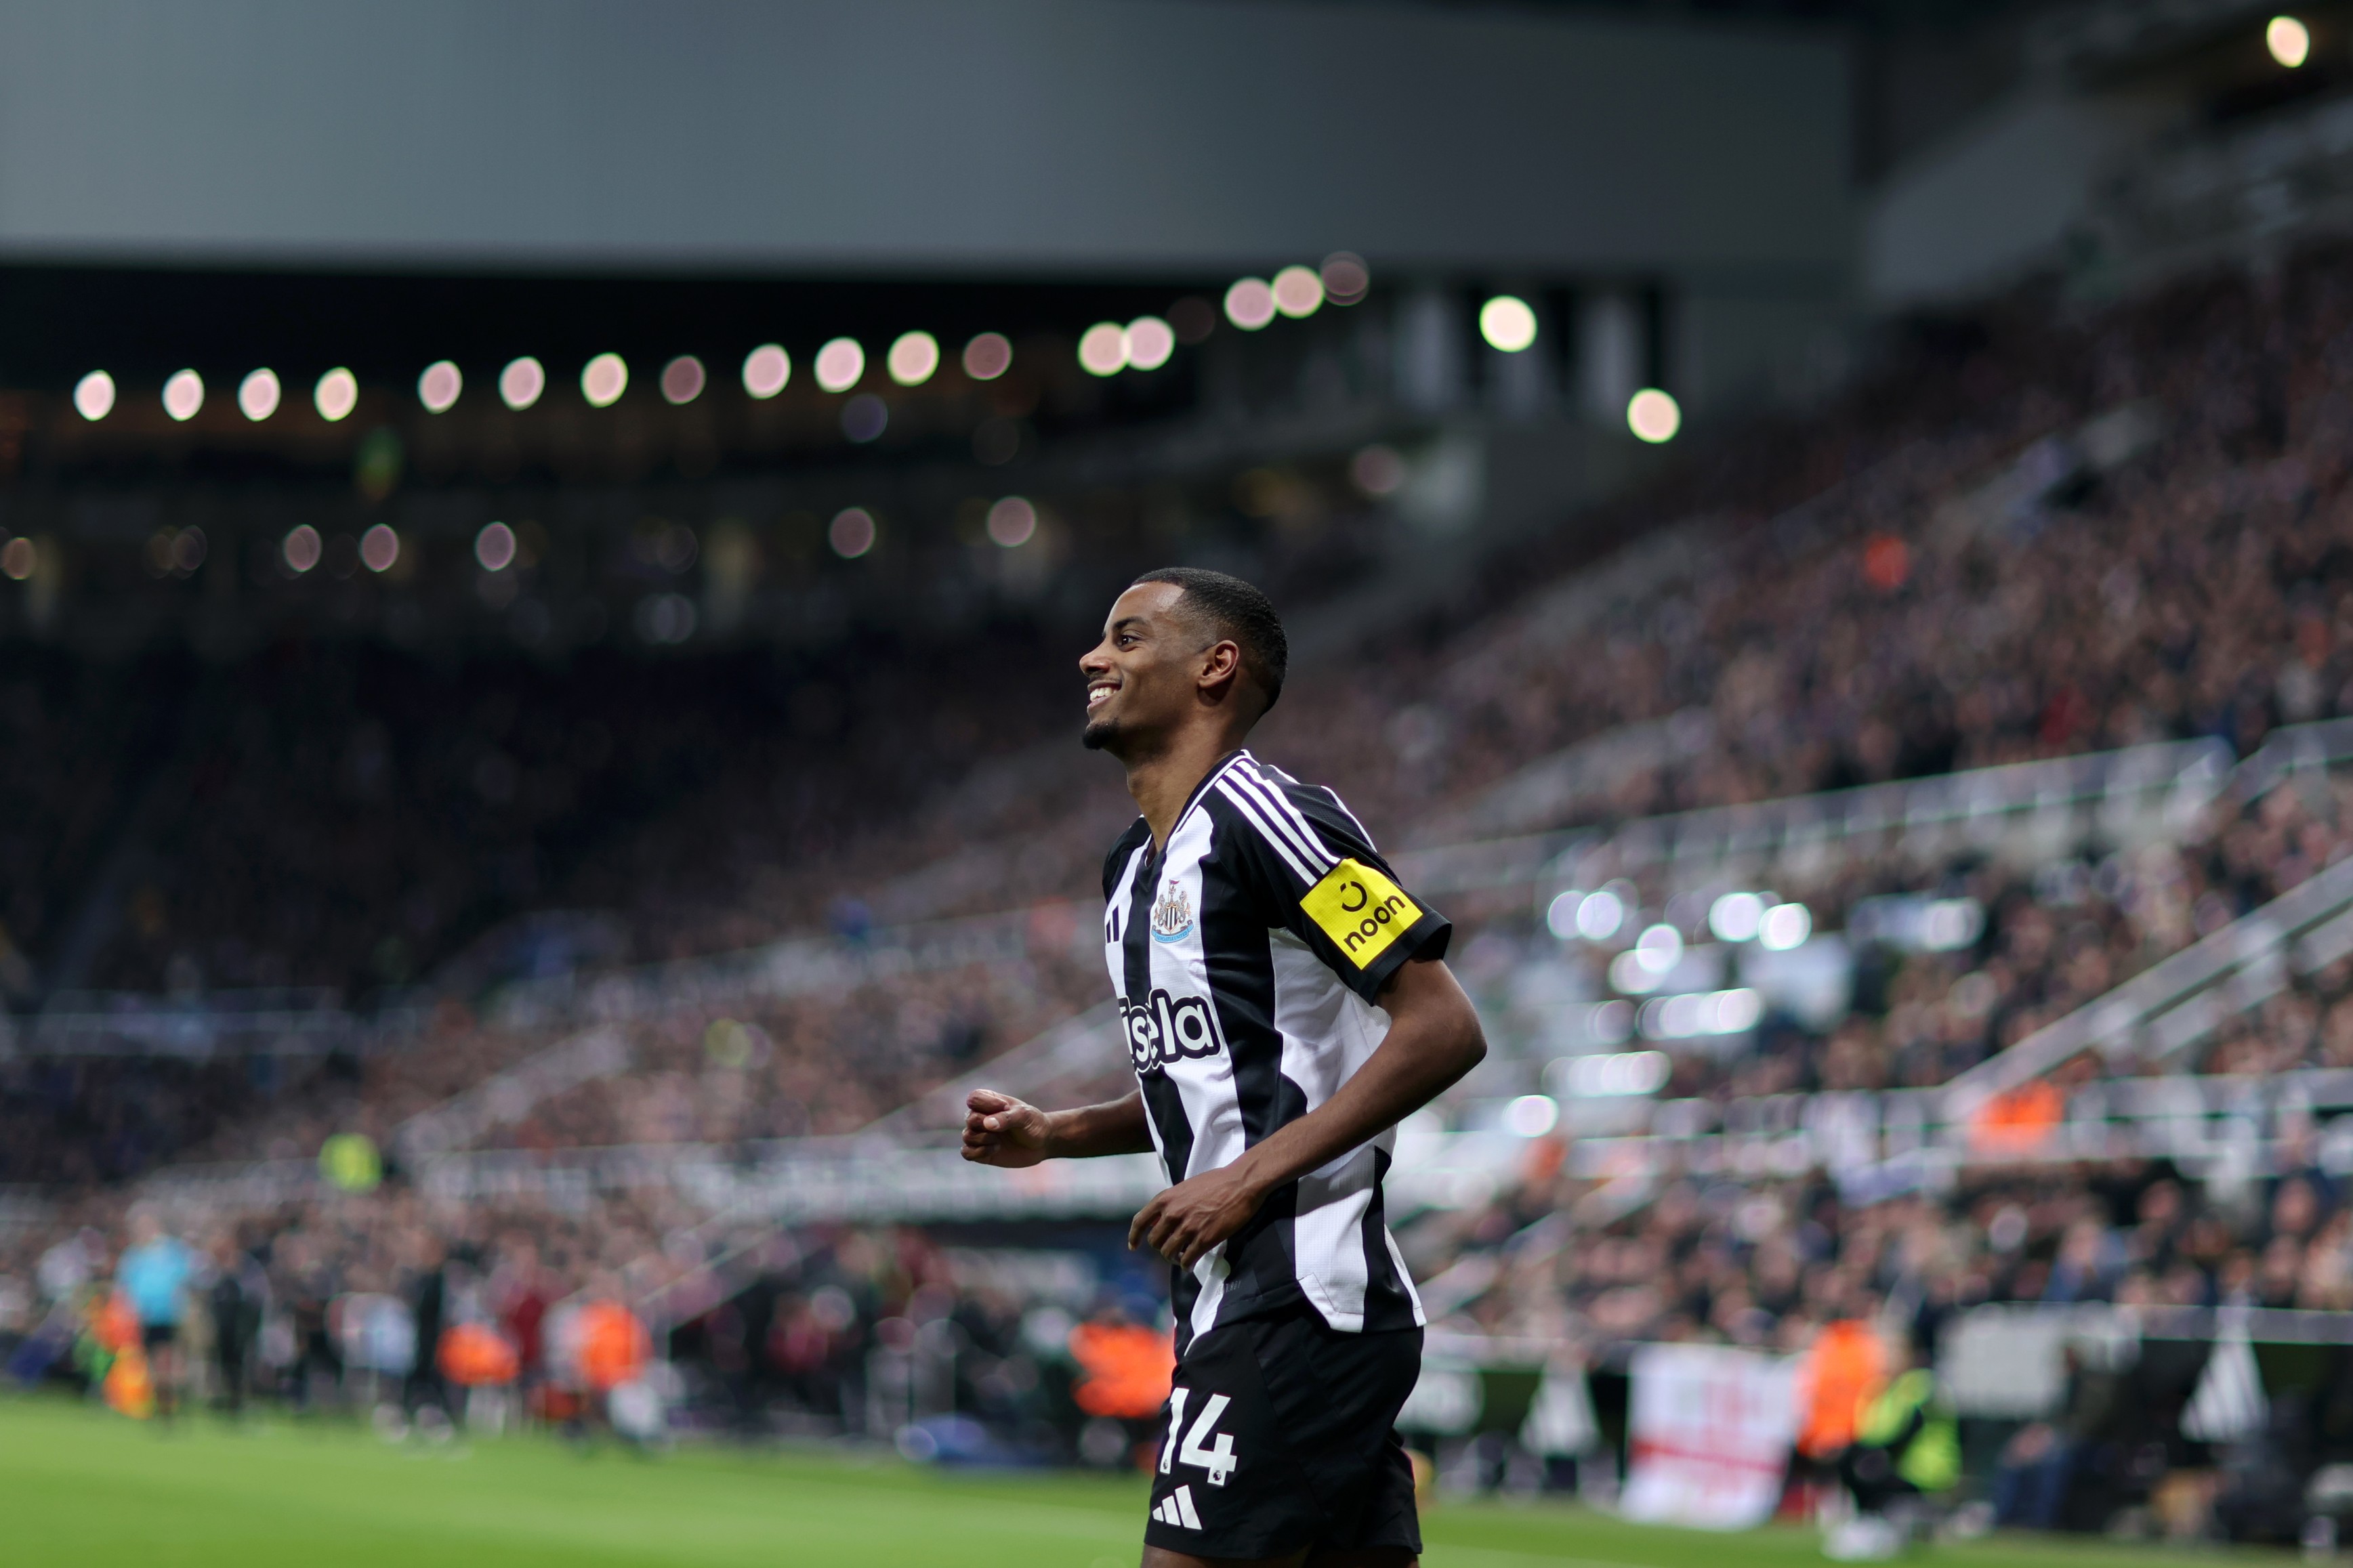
(1091, 1130)
(1428, 1048)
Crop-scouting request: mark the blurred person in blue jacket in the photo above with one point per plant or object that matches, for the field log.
(154, 1273)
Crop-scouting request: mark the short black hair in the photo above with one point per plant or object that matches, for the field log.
(1235, 609)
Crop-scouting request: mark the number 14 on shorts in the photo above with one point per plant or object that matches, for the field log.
(1204, 1446)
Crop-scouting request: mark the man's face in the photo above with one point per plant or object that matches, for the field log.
(1145, 676)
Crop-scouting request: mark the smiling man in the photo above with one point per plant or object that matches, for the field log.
(1285, 1003)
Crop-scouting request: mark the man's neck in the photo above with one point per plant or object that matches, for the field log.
(1165, 779)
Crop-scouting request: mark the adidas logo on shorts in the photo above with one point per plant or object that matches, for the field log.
(1177, 1509)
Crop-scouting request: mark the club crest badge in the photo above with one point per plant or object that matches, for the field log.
(1172, 914)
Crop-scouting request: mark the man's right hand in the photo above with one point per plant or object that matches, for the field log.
(999, 1130)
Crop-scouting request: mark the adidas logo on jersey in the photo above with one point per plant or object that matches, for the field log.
(1168, 1027)
(1176, 1509)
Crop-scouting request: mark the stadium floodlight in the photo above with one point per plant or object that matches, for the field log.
(1012, 522)
(839, 365)
(522, 382)
(1102, 349)
(494, 547)
(765, 371)
(1249, 303)
(912, 358)
(1508, 323)
(93, 396)
(337, 394)
(1298, 291)
(184, 394)
(988, 356)
(604, 379)
(439, 387)
(1150, 342)
(2289, 40)
(1654, 416)
(258, 394)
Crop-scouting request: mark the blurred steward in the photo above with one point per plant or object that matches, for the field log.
(154, 1275)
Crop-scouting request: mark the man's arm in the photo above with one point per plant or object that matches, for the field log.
(999, 1130)
(1434, 1038)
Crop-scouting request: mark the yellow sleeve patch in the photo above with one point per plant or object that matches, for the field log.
(1360, 909)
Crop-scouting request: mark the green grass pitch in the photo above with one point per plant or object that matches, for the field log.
(78, 1486)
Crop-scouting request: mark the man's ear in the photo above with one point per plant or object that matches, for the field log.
(1221, 668)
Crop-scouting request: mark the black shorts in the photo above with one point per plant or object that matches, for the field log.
(1281, 1434)
(156, 1336)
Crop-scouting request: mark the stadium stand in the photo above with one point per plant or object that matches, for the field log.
(2011, 671)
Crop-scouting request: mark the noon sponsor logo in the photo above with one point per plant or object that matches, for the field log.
(1360, 909)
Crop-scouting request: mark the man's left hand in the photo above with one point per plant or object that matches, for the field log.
(1185, 1222)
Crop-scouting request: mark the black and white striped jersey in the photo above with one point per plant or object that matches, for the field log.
(1247, 955)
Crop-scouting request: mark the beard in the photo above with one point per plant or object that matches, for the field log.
(1100, 735)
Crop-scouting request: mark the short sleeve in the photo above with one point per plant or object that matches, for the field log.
(1314, 870)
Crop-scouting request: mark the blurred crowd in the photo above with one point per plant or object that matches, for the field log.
(625, 1314)
(354, 815)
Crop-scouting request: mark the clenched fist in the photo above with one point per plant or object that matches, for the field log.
(999, 1130)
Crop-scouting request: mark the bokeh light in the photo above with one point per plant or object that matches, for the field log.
(379, 548)
(1011, 521)
(852, 532)
(1250, 304)
(864, 416)
(522, 382)
(188, 549)
(258, 394)
(1346, 279)
(439, 387)
(988, 356)
(1508, 323)
(17, 558)
(93, 396)
(1298, 291)
(184, 395)
(767, 369)
(494, 547)
(681, 380)
(912, 358)
(1785, 926)
(604, 379)
(337, 394)
(1376, 470)
(1102, 349)
(1654, 416)
(2289, 40)
(1530, 1116)
(1192, 318)
(1150, 342)
(839, 365)
(300, 549)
